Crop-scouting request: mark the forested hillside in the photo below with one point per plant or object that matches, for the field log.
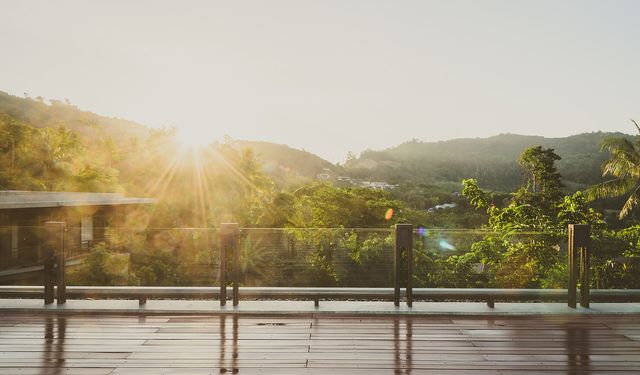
(492, 161)
(288, 166)
(37, 113)
(57, 147)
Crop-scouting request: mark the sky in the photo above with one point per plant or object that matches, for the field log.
(332, 76)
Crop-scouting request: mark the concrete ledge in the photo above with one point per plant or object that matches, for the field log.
(186, 307)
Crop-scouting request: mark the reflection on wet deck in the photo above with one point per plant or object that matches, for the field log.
(76, 344)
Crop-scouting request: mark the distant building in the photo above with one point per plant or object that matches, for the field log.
(23, 214)
(376, 185)
(326, 175)
(379, 185)
(442, 207)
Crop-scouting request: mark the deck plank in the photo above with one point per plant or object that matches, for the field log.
(87, 344)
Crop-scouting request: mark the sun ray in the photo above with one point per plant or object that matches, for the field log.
(153, 186)
(235, 170)
(200, 188)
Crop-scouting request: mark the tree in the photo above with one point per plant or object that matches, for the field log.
(103, 267)
(544, 186)
(476, 196)
(351, 158)
(624, 167)
(321, 205)
(50, 158)
(278, 211)
(574, 209)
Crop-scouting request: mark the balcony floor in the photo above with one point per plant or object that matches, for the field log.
(39, 343)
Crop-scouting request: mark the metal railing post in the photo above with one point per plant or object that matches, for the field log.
(223, 267)
(585, 265)
(49, 280)
(229, 234)
(396, 269)
(236, 266)
(403, 241)
(578, 238)
(54, 261)
(409, 247)
(571, 288)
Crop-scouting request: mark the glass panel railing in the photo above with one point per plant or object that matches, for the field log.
(317, 257)
(331, 257)
(615, 261)
(151, 257)
(482, 259)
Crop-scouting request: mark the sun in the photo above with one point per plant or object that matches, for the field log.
(190, 139)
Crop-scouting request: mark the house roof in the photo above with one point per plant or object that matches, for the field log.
(13, 199)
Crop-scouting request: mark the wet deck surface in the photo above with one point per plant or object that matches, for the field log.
(86, 344)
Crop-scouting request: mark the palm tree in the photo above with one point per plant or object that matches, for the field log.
(624, 167)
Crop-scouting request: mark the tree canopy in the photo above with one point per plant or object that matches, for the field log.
(622, 171)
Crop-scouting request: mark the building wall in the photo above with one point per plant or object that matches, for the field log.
(21, 232)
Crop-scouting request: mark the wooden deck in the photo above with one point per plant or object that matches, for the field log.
(99, 344)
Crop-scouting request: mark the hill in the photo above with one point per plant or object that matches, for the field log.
(287, 165)
(493, 160)
(490, 160)
(38, 114)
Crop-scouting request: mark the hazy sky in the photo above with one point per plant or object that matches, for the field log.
(333, 76)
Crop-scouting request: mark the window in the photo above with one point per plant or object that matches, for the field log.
(86, 231)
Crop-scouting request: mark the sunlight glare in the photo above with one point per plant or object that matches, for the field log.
(190, 139)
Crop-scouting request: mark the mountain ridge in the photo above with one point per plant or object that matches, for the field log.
(492, 160)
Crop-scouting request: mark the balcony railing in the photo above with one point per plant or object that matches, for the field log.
(394, 264)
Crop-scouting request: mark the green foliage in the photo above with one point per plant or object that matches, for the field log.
(491, 161)
(155, 268)
(519, 217)
(257, 261)
(279, 211)
(323, 244)
(102, 267)
(539, 163)
(524, 247)
(615, 261)
(324, 206)
(544, 188)
(49, 159)
(370, 250)
(474, 194)
(574, 209)
(623, 171)
(86, 124)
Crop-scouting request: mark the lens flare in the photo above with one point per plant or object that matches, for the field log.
(389, 214)
(446, 245)
(422, 232)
